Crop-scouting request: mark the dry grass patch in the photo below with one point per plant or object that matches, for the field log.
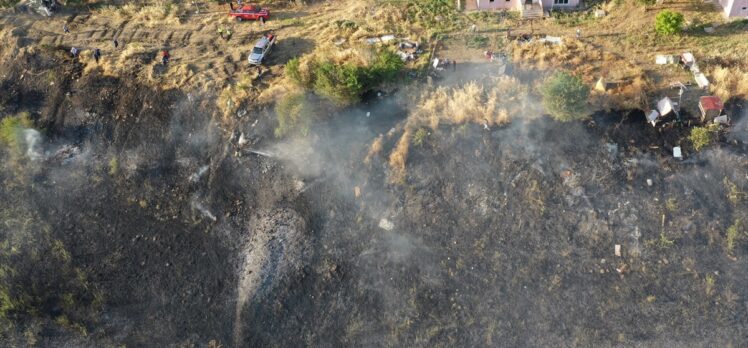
(728, 82)
(471, 103)
(150, 15)
(398, 158)
(628, 83)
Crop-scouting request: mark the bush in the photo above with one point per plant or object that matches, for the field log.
(420, 136)
(565, 97)
(344, 83)
(668, 22)
(385, 68)
(341, 83)
(11, 127)
(294, 114)
(701, 137)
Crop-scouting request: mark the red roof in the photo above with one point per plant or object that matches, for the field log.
(710, 103)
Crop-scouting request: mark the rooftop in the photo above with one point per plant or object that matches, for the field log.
(711, 103)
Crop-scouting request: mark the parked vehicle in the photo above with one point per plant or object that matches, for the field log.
(249, 12)
(261, 49)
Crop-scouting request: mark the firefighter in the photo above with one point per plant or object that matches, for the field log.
(116, 43)
(579, 33)
(74, 52)
(220, 32)
(165, 57)
(65, 28)
(97, 55)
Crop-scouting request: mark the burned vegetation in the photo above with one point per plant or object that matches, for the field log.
(453, 213)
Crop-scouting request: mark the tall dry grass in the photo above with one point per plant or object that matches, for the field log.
(491, 105)
(471, 103)
(728, 82)
(162, 12)
(398, 158)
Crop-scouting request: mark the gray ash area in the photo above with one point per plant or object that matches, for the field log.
(144, 222)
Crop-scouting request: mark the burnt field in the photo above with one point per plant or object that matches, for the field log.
(131, 215)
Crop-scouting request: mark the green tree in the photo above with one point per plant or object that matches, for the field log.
(565, 97)
(668, 22)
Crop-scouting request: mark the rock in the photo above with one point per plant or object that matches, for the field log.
(386, 224)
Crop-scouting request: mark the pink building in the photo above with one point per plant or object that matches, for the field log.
(735, 8)
(528, 8)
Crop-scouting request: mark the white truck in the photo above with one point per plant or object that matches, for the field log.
(261, 49)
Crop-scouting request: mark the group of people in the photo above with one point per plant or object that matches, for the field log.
(74, 51)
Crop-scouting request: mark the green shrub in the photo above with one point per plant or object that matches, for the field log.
(434, 14)
(341, 83)
(292, 70)
(420, 136)
(8, 3)
(668, 22)
(565, 97)
(344, 83)
(294, 114)
(385, 68)
(11, 127)
(733, 234)
(700, 137)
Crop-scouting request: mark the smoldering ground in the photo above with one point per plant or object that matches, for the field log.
(498, 237)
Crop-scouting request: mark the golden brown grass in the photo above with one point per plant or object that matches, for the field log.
(630, 84)
(398, 158)
(470, 103)
(491, 106)
(161, 12)
(375, 149)
(727, 82)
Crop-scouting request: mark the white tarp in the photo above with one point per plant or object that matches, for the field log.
(701, 80)
(665, 106)
(372, 40)
(653, 116)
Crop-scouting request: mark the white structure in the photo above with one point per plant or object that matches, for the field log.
(734, 8)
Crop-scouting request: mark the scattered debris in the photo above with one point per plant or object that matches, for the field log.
(600, 13)
(618, 250)
(677, 152)
(662, 59)
(652, 117)
(701, 80)
(688, 60)
(665, 106)
(387, 38)
(722, 120)
(650, 182)
(552, 40)
(357, 191)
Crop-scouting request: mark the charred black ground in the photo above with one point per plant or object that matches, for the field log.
(136, 227)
